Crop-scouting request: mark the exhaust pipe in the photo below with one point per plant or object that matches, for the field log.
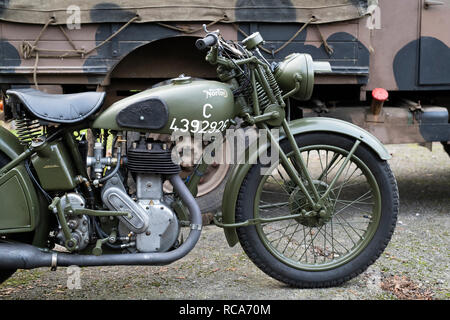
(24, 256)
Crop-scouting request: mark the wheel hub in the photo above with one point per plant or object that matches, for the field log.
(311, 217)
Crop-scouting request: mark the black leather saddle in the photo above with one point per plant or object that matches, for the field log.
(59, 108)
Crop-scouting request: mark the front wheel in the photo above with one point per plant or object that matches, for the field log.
(326, 248)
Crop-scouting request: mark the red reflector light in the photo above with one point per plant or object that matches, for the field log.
(380, 94)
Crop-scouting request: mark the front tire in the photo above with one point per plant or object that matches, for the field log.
(319, 251)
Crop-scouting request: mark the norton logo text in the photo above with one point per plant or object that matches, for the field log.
(210, 93)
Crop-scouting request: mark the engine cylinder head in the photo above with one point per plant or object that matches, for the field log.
(151, 157)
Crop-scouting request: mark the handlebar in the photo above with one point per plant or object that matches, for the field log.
(208, 41)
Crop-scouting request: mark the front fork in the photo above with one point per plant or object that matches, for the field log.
(315, 199)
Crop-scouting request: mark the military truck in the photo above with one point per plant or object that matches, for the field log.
(390, 59)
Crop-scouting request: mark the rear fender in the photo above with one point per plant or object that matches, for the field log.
(300, 126)
(9, 144)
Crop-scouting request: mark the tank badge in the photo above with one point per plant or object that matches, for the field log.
(210, 93)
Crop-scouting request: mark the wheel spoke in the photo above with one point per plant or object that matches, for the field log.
(332, 244)
(284, 235)
(336, 213)
(312, 239)
(290, 238)
(352, 206)
(282, 187)
(273, 205)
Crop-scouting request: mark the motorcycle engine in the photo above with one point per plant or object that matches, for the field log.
(151, 220)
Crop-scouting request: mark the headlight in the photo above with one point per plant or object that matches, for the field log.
(303, 65)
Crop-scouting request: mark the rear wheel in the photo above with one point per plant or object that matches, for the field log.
(446, 145)
(326, 248)
(21, 237)
(5, 274)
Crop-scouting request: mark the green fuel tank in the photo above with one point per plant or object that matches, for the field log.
(185, 105)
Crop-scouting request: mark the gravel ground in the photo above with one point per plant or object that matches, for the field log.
(415, 265)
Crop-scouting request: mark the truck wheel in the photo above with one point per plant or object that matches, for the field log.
(210, 193)
(210, 188)
(212, 184)
(5, 274)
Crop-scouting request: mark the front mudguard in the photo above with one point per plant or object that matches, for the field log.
(300, 126)
(28, 199)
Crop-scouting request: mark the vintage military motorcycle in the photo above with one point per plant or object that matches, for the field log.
(317, 216)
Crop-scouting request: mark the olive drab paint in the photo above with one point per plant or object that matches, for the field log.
(193, 107)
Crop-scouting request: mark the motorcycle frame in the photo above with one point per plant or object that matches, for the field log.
(263, 119)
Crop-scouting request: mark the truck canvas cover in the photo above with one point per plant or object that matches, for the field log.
(111, 11)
